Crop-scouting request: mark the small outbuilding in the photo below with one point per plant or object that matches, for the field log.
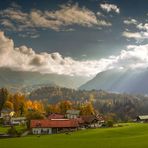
(142, 118)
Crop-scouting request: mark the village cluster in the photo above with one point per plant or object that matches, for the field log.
(55, 123)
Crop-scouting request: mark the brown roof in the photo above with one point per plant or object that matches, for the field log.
(56, 116)
(80, 120)
(89, 118)
(53, 123)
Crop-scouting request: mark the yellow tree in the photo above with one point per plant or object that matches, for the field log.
(34, 105)
(52, 108)
(87, 109)
(64, 106)
(9, 105)
(18, 101)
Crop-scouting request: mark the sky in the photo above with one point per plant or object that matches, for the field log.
(74, 37)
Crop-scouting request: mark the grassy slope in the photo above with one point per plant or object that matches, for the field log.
(129, 136)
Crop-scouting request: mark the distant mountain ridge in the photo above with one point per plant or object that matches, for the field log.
(23, 79)
(134, 81)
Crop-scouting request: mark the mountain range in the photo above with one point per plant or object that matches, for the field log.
(26, 81)
(133, 81)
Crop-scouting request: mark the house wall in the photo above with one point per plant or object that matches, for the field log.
(18, 121)
(70, 116)
(95, 125)
(39, 131)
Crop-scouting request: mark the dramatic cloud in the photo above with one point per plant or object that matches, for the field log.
(141, 33)
(110, 7)
(26, 59)
(61, 19)
(133, 57)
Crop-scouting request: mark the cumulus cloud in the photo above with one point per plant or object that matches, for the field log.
(130, 21)
(142, 30)
(135, 35)
(60, 19)
(142, 26)
(135, 56)
(26, 59)
(138, 36)
(110, 7)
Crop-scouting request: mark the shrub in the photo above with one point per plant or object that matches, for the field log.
(12, 131)
(110, 123)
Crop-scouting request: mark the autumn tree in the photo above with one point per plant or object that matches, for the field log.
(18, 101)
(64, 106)
(87, 109)
(34, 106)
(52, 108)
(91, 98)
(3, 97)
(8, 105)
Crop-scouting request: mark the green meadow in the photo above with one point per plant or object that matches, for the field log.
(127, 136)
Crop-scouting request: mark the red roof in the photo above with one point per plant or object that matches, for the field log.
(56, 116)
(53, 123)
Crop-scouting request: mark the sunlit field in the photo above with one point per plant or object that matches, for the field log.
(126, 136)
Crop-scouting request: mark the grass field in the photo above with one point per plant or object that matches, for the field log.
(128, 136)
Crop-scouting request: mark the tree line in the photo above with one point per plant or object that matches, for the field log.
(116, 107)
(23, 106)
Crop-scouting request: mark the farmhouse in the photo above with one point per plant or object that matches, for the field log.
(18, 120)
(92, 121)
(6, 112)
(142, 118)
(53, 126)
(6, 115)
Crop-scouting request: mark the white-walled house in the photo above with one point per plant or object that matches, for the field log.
(18, 120)
(72, 114)
(38, 131)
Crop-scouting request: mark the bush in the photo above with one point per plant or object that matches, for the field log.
(110, 123)
(19, 133)
(12, 131)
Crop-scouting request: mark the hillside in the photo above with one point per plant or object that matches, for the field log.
(124, 106)
(134, 81)
(25, 80)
